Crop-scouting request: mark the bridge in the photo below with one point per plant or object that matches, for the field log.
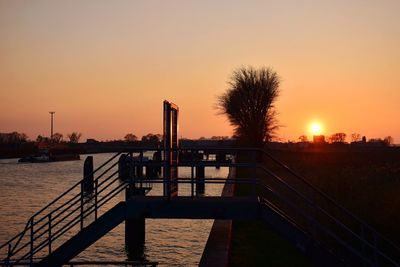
(322, 229)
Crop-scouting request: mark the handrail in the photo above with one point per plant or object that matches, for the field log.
(326, 196)
(337, 222)
(64, 207)
(324, 229)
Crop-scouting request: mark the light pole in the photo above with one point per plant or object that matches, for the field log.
(51, 132)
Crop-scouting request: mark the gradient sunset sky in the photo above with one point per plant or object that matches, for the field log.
(106, 66)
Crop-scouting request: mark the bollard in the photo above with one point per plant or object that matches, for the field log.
(219, 159)
(88, 177)
(123, 167)
(200, 175)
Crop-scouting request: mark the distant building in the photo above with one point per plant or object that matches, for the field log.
(319, 139)
(91, 141)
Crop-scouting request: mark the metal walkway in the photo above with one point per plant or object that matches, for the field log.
(324, 230)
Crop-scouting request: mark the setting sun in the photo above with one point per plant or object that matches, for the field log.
(315, 128)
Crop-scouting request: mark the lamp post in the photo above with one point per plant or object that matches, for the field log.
(51, 131)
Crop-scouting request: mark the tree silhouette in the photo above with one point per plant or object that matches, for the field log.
(249, 104)
(338, 138)
(13, 138)
(57, 137)
(74, 137)
(130, 137)
(42, 139)
(388, 140)
(355, 137)
(152, 138)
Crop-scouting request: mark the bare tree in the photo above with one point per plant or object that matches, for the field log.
(355, 137)
(74, 137)
(130, 137)
(42, 139)
(57, 138)
(337, 138)
(152, 138)
(13, 138)
(249, 104)
(388, 140)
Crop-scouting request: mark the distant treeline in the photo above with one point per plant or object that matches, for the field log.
(341, 138)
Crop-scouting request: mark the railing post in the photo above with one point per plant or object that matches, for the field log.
(192, 181)
(31, 246)
(81, 205)
(96, 185)
(139, 169)
(192, 172)
(49, 216)
(7, 262)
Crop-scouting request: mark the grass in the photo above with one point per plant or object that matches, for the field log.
(254, 243)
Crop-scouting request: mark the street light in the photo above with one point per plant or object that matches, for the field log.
(51, 132)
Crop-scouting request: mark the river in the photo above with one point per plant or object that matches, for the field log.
(26, 187)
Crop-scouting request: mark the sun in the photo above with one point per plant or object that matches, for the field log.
(316, 128)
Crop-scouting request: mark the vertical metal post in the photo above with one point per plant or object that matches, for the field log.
(167, 149)
(140, 169)
(8, 255)
(81, 216)
(31, 247)
(192, 180)
(7, 261)
(96, 185)
(49, 216)
(51, 124)
(171, 147)
(192, 171)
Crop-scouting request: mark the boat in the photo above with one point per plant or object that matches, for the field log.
(46, 156)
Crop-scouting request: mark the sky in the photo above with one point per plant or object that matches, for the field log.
(105, 67)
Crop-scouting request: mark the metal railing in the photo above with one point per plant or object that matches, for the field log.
(67, 214)
(356, 234)
(277, 186)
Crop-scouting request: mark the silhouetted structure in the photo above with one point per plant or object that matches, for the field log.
(319, 139)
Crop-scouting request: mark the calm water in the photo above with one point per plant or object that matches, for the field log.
(25, 188)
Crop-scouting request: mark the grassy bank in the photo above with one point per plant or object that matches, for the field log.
(254, 243)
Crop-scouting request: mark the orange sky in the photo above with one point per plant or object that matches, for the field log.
(106, 66)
